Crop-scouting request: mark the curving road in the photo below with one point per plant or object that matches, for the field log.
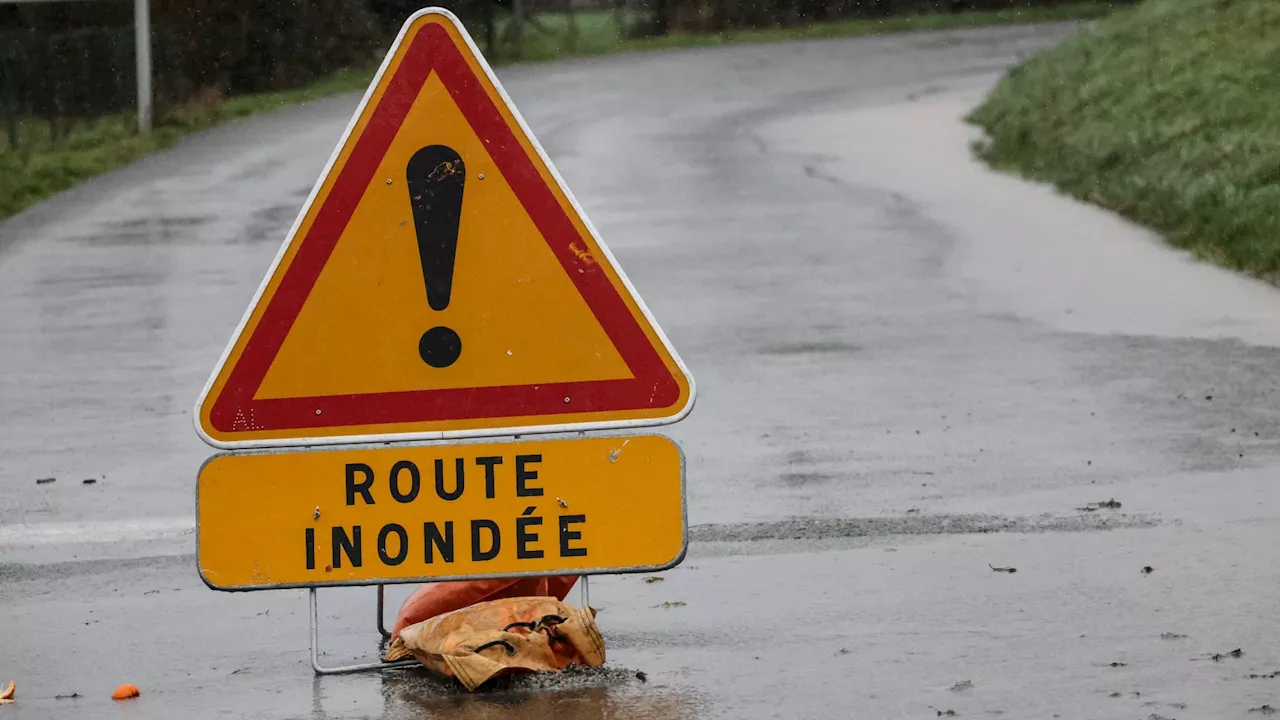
(909, 367)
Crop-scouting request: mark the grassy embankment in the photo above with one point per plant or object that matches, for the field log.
(1168, 113)
(41, 167)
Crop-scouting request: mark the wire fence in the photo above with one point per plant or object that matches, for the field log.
(55, 77)
(53, 81)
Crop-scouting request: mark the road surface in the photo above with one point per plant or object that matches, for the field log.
(910, 369)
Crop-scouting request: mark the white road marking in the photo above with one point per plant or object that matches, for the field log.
(58, 533)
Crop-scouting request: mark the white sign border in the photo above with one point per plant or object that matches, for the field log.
(440, 434)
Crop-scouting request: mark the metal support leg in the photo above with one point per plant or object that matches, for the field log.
(382, 628)
(343, 669)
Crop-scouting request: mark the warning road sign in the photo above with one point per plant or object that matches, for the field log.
(416, 513)
(440, 281)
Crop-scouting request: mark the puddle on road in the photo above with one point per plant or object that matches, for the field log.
(953, 524)
(162, 229)
(817, 347)
(576, 694)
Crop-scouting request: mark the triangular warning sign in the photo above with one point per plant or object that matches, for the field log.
(440, 282)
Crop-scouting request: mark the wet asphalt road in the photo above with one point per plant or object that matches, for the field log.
(908, 367)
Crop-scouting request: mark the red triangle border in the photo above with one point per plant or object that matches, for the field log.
(432, 50)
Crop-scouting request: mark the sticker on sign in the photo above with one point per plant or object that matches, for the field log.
(442, 512)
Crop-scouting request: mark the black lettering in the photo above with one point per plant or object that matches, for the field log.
(311, 548)
(567, 536)
(354, 487)
(415, 481)
(398, 531)
(524, 537)
(351, 545)
(523, 474)
(495, 538)
(444, 543)
(457, 488)
(488, 463)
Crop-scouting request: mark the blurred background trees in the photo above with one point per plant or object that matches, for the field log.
(65, 60)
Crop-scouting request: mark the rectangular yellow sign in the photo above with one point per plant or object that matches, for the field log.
(363, 516)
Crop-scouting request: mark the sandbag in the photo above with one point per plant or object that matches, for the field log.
(512, 635)
(434, 599)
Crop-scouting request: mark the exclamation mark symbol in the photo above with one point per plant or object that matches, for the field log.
(436, 177)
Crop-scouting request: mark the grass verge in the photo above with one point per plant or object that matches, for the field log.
(1168, 113)
(42, 166)
(597, 33)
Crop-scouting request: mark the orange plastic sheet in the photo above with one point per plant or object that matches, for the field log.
(434, 599)
(500, 637)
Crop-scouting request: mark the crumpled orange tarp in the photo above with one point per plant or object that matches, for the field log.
(511, 635)
(434, 599)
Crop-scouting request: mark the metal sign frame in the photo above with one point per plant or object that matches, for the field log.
(314, 615)
(443, 437)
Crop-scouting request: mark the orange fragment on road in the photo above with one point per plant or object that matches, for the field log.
(6, 697)
(126, 691)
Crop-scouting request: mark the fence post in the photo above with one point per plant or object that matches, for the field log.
(490, 43)
(142, 42)
(517, 26)
(9, 103)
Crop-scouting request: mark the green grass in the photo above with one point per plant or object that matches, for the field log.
(598, 34)
(556, 35)
(883, 26)
(1168, 113)
(41, 166)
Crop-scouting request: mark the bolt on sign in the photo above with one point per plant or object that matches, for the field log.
(441, 281)
(419, 513)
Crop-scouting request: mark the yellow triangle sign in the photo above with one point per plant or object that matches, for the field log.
(440, 282)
